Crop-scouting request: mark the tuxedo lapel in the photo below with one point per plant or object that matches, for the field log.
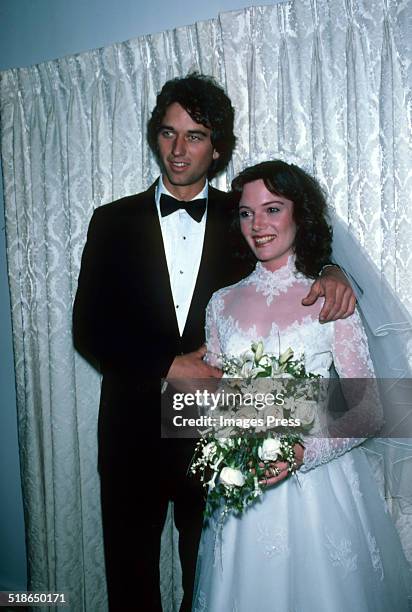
(211, 265)
(151, 259)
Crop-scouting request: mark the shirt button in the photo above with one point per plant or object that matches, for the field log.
(181, 271)
(177, 305)
(184, 237)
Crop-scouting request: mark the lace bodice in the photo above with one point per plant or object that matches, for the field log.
(267, 306)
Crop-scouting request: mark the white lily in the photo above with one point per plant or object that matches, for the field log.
(283, 358)
(257, 347)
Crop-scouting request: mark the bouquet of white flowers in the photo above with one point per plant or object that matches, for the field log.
(233, 469)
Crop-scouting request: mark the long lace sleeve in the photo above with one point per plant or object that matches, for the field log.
(212, 335)
(352, 360)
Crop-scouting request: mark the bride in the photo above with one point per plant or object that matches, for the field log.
(322, 542)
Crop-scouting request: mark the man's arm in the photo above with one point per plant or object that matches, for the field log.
(86, 320)
(186, 370)
(109, 329)
(334, 286)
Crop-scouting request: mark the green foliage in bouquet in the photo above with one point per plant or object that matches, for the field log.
(233, 469)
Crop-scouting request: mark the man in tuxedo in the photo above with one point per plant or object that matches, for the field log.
(149, 268)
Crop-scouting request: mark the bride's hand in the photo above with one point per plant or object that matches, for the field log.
(275, 472)
(282, 467)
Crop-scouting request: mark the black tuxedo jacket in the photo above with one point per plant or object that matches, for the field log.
(124, 316)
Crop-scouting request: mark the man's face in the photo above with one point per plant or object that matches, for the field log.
(185, 152)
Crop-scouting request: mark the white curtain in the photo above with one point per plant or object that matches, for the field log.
(327, 81)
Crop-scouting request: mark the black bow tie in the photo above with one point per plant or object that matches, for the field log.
(195, 208)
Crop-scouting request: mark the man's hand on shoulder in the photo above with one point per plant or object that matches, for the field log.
(186, 369)
(339, 297)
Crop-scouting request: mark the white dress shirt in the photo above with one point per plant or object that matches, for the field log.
(183, 242)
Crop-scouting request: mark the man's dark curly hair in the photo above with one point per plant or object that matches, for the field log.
(313, 241)
(206, 102)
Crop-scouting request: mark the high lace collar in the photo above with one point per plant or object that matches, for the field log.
(273, 283)
(288, 269)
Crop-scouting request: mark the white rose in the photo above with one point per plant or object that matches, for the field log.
(269, 450)
(305, 411)
(231, 477)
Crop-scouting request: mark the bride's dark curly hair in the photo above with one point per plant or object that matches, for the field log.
(313, 241)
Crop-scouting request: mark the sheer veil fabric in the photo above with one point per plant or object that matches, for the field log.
(326, 80)
(389, 329)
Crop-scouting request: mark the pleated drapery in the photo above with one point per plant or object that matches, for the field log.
(326, 83)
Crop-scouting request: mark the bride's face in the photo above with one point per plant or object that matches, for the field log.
(266, 222)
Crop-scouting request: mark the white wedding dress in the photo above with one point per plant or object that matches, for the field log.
(322, 542)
